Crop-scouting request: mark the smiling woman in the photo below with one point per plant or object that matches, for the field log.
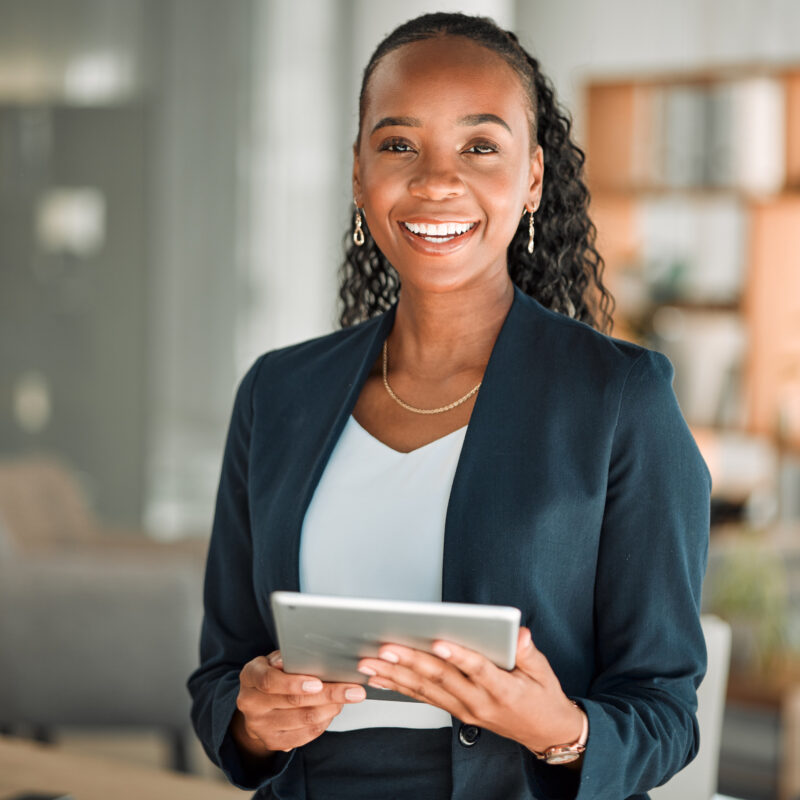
(464, 158)
(472, 435)
(564, 273)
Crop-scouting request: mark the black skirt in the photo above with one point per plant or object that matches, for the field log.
(385, 763)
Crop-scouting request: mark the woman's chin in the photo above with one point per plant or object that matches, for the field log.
(439, 284)
(442, 279)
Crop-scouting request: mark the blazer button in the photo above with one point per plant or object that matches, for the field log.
(468, 735)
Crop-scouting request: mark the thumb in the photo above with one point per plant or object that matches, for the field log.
(529, 659)
(525, 648)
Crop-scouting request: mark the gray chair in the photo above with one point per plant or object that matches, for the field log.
(698, 781)
(97, 629)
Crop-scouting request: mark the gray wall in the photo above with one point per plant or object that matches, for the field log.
(78, 323)
(72, 329)
(576, 38)
(147, 100)
(201, 54)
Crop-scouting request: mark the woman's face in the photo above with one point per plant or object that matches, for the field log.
(444, 166)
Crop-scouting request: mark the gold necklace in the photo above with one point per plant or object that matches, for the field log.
(411, 408)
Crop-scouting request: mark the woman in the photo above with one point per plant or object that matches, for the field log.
(471, 438)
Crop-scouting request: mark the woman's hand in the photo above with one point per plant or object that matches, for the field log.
(526, 704)
(278, 711)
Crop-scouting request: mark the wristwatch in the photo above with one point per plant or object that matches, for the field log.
(564, 753)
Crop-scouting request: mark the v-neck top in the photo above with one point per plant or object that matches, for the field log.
(375, 528)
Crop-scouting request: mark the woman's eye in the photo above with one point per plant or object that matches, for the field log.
(482, 148)
(396, 146)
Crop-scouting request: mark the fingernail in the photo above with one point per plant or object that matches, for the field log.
(312, 686)
(441, 651)
(355, 694)
(376, 686)
(388, 655)
(367, 671)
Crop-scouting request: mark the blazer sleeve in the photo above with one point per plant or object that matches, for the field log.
(650, 653)
(233, 632)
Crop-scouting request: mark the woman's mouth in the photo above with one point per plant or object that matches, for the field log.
(439, 232)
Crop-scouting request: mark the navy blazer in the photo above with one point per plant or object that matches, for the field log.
(579, 497)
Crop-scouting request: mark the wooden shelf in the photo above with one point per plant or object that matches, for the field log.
(622, 178)
(636, 193)
(702, 307)
(715, 74)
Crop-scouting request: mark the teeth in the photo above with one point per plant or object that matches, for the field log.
(442, 229)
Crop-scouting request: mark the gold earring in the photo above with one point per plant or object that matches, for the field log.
(358, 233)
(530, 233)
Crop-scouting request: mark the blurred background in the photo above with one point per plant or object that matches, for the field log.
(174, 189)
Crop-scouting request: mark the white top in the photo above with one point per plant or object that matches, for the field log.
(375, 528)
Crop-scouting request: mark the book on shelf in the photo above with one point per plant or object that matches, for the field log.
(759, 124)
(685, 134)
(721, 153)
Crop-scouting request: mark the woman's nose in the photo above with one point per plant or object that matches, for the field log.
(436, 178)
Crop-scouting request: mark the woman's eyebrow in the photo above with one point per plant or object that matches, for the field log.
(388, 122)
(478, 119)
(413, 122)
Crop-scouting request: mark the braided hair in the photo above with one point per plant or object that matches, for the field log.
(564, 273)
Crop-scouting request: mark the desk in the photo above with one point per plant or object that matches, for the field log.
(28, 766)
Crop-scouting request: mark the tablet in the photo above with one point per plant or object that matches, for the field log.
(325, 636)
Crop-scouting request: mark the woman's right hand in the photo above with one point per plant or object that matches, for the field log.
(278, 711)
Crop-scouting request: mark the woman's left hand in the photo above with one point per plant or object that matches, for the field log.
(526, 704)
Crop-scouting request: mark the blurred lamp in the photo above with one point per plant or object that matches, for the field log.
(71, 221)
(32, 404)
(97, 78)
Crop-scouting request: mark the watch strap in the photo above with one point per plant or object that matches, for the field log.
(564, 753)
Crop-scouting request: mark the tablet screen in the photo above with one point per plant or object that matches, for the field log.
(325, 636)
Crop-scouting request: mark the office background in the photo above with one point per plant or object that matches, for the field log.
(174, 189)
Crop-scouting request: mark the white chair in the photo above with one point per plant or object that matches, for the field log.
(698, 780)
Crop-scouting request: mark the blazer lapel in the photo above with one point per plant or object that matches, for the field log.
(312, 408)
(499, 468)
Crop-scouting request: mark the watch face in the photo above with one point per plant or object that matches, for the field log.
(562, 757)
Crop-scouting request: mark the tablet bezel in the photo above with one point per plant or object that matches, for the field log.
(324, 635)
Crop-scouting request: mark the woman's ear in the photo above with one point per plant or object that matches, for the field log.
(536, 177)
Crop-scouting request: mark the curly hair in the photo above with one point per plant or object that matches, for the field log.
(564, 273)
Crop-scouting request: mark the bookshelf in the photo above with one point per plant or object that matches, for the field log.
(695, 182)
